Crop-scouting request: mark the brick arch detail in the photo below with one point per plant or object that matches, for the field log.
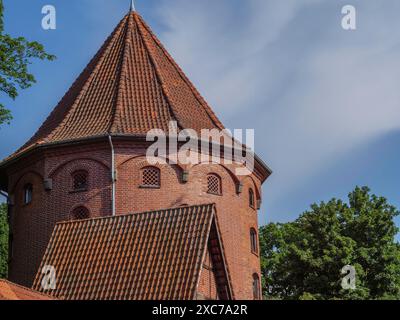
(64, 164)
(229, 171)
(22, 177)
(159, 166)
(254, 185)
(140, 162)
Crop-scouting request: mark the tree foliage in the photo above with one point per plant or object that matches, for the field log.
(3, 241)
(16, 54)
(303, 259)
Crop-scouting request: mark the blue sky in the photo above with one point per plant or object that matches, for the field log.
(324, 101)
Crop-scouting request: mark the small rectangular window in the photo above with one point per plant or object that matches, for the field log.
(254, 241)
(151, 177)
(214, 184)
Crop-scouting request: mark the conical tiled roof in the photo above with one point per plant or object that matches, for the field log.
(131, 86)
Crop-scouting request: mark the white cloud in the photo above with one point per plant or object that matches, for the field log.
(312, 90)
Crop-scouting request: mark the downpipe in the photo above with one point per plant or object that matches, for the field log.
(113, 178)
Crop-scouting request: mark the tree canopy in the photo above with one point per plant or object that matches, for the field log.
(303, 259)
(16, 54)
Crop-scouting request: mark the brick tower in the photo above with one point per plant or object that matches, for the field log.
(88, 159)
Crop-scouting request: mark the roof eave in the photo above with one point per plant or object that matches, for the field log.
(263, 168)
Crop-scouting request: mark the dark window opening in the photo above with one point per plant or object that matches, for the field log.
(251, 198)
(80, 180)
(28, 193)
(80, 213)
(256, 287)
(253, 241)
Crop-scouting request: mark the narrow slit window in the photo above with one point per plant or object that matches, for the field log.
(28, 193)
(251, 198)
(253, 241)
(256, 287)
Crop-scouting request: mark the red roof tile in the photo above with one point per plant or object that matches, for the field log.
(12, 291)
(154, 255)
(131, 86)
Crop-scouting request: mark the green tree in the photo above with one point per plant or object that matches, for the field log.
(16, 54)
(303, 259)
(3, 241)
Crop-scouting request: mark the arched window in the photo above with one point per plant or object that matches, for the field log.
(151, 177)
(80, 180)
(253, 241)
(28, 193)
(251, 198)
(80, 213)
(214, 184)
(256, 287)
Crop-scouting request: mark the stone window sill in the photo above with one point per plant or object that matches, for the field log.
(150, 187)
(256, 254)
(215, 194)
(78, 191)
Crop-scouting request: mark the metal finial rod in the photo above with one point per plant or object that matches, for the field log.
(132, 8)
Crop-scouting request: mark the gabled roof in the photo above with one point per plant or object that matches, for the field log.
(12, 291)
(153, 255)
(131, 86)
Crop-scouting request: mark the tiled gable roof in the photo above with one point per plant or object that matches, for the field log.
(153, 255)
(12, 291)
(131, 86)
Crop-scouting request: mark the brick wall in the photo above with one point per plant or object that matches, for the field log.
(32, 225)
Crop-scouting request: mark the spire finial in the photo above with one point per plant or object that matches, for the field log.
(132, 8)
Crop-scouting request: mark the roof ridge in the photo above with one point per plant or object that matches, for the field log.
(158, 74)
(122, 77)
(95, 63)
(89, 80)
(25, 288)
(183, 76)
(90, 67)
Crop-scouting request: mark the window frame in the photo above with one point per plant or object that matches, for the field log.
(257, 294)
(252, 199)
(142, 178)
(214, 175)
(254, 241)
(74, 175)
